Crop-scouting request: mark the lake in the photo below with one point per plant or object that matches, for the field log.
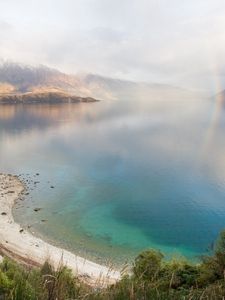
(116, 178)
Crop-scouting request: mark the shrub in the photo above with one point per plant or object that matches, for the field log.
(152, 279)
(147, 264)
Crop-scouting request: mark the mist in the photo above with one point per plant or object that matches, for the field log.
(172, 42)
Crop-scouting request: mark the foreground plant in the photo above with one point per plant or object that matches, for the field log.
(152, 278)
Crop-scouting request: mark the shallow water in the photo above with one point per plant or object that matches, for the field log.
(127, 176)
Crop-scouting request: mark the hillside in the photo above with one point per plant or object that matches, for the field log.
(115, 89)
(16, 78)
(151, 277)
(26, 78)
(43, 97)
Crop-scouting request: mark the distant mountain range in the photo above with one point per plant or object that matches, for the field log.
(38, 82)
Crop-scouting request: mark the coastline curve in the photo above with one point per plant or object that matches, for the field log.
(20, 244)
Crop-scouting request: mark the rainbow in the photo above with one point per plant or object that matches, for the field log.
(215, 116)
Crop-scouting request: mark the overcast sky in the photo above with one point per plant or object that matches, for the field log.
(172, 41)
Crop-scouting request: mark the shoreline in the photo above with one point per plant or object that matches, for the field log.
(21, 245)
(42, 97)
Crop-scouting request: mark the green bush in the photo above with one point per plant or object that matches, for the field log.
(152, 278)
(5, 283)
(147, 265)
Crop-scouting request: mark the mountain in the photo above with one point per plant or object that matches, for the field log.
(114, 89)
(25, 84)
(28, 79)
(22, 79)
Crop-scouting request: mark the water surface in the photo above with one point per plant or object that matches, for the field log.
(127, 176)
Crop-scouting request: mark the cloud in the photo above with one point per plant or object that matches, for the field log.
(177, 42)
(5, 28)
(108, 35)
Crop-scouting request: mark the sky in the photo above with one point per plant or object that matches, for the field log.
(167, 41)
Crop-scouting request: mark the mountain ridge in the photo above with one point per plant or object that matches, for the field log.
(19, 79)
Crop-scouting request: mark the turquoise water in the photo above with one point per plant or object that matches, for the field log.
(127, 176)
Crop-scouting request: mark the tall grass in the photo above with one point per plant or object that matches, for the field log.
(152, 278)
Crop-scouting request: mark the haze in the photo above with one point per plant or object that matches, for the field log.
(175, 42)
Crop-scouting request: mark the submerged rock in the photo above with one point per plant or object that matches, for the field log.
(37, 209)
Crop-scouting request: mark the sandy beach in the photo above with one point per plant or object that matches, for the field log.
(21, 245)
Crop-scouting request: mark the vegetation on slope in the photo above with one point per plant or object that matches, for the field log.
(43, 97)
(152, 278)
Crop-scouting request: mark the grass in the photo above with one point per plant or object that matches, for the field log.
(152, 278)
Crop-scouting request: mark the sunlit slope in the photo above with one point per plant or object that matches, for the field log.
(17, 78)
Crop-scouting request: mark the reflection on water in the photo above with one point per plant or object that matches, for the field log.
(126, 175)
